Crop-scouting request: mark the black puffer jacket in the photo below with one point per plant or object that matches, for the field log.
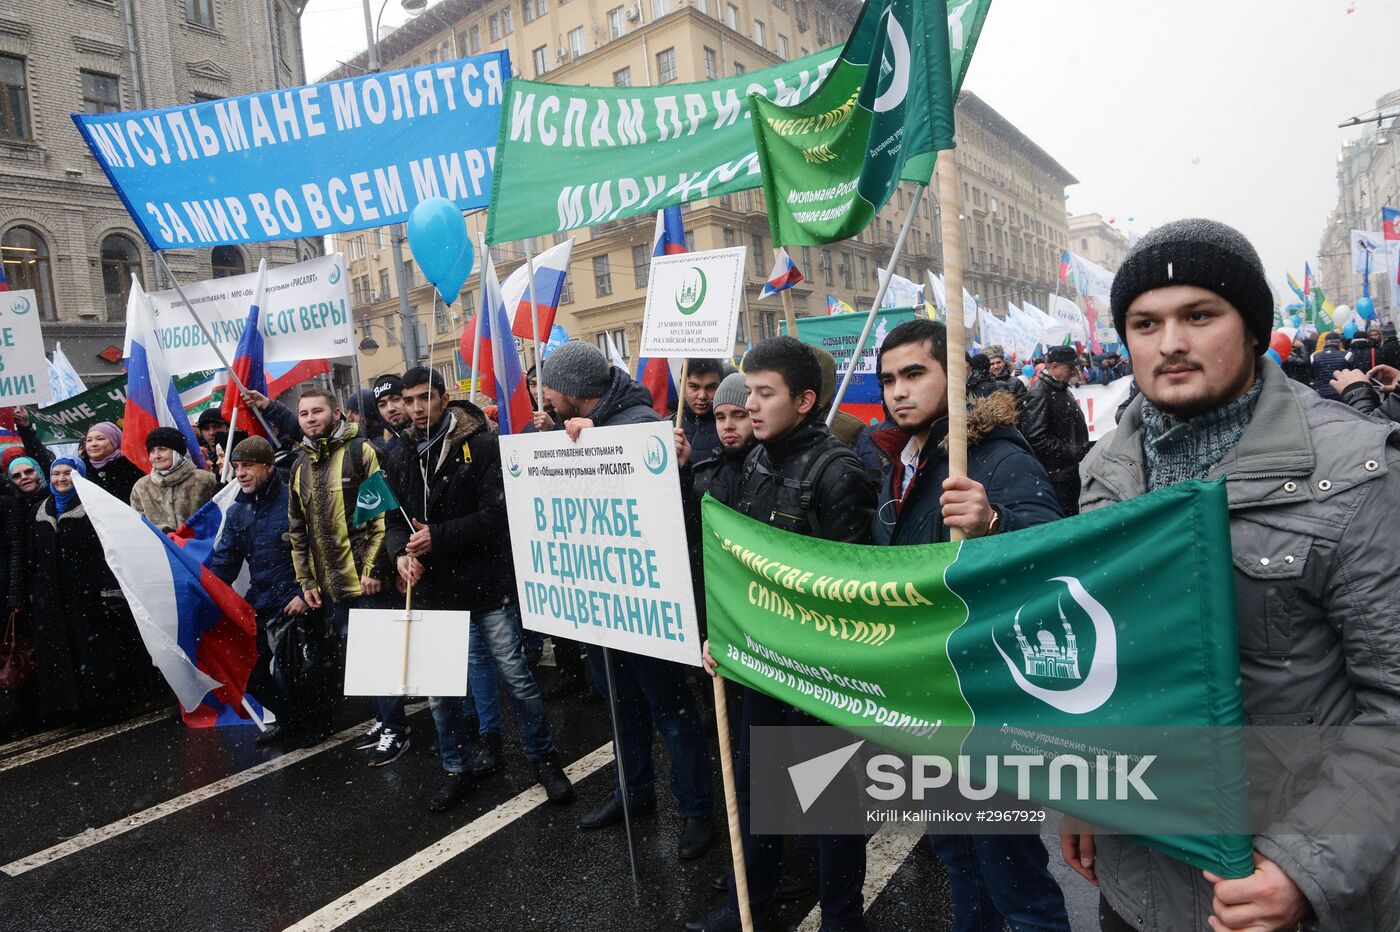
(702, 435)
(470, 566)
(118, 477)
(998, 457)
(808, 482)
(1055, 427)
(625, 402)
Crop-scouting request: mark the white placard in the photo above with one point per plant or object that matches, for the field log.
(305, 315)
(598, 539)
(437, 653)
(693, 304)
(24, 370)
(1100, 404)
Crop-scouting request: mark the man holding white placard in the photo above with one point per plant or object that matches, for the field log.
(456, 555)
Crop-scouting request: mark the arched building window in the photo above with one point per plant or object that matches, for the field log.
(121, 259)
(25, 254)
(227, 261)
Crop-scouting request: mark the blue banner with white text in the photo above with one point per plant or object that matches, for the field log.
(306, 161)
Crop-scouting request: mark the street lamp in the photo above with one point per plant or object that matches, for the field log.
(369, 345)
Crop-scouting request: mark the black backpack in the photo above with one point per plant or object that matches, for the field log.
(792, 510)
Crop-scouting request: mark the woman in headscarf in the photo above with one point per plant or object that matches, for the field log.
(175, 489)
(92, 665)
(105, 463)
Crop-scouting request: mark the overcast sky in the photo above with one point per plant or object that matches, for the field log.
(1219, 108)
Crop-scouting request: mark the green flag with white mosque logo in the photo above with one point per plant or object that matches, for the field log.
(831, 161)
(374, 498)
(1118, 624)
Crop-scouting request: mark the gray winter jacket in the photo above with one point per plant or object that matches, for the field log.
(1314, 491)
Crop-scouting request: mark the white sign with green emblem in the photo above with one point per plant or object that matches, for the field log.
(598, 539)
(24, 375)
(693, 304)
(306, 315)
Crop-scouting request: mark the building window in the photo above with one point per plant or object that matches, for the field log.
(408, 274)
(641, 265)
(760, 34)
(666, 66)
(101, 93)
(739, 68)
(14, 99)
(733, 17)
(576, 42)
(566, 291)
(532, 10)
(227, 261)
(121, 259)
(660, 8)
(25, 255)
(730, 238)
(619, 341)
(758, 264)
(474, 39)
(200, 12)
(617, 22)
(622, 77)
(602, 276)
(711, 64)
(826, 268)
(846, 271)
(541, 57)
(495, 25)
(383, 284)
(865, 270)
(361, 293)
(507, 22)
(783, 50)
(799, 11)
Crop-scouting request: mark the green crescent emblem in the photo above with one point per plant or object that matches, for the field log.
(369, 500)
(335, 274)
(21, 307)
(691, 294)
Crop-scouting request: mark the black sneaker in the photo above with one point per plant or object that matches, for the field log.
(389, 749)
(453, 789)
(726, 919)
(486, 755)
(370, 739)
(554, 780)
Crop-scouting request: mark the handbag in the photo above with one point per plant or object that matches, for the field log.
(16, 655)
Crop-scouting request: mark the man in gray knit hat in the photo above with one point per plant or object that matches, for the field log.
(1312, 489)
(651, 694)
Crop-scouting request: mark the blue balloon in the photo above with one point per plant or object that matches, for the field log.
(437, 234)
(453, 280)
(1028, 371)
(1296, 321)
(1366, 308)
(1273, 354)
(1349, 330)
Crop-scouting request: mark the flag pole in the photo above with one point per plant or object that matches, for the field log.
(731, 805)
(950, 204)
(880, 298)
(534, 327)
(228, 453)
(680, 389)
(789, 313)
(407, 627)
(479, 320)
(179, 290)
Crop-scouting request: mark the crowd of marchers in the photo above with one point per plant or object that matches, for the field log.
(1312, 486)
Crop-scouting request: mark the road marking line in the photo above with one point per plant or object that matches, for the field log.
(378, 889)
(883, 855)
(23, 744)
(171, 806)
(82, 740)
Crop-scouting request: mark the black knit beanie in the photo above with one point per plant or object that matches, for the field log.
(1199, 252)
(167, 437)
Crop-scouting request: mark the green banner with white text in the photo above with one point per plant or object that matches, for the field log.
(1124, 616)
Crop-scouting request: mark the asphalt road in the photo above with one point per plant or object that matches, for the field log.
(149, 825)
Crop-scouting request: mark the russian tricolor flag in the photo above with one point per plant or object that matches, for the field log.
(152, 400)
(550, 268)
(248, 365)
(669, 239)
(785, 274)
(655, 374)
(498, 348)
(199, 632)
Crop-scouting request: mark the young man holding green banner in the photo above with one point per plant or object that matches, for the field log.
(802, 479)
(1313, 487)
(994, 878)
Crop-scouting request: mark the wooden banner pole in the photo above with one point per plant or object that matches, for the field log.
(731, 805)
(950, 205)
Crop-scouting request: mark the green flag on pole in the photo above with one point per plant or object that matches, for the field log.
(832, 161)
(375, 498)
(1121, 620)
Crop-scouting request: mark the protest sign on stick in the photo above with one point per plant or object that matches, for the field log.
(398, 652)
(692, 304)
(24, 375)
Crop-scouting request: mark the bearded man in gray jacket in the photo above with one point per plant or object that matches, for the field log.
(1313, 490)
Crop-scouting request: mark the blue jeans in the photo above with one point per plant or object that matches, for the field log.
(387, 709)
(996, 878)
(485, 686)
(653, 692)
(499, 630)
